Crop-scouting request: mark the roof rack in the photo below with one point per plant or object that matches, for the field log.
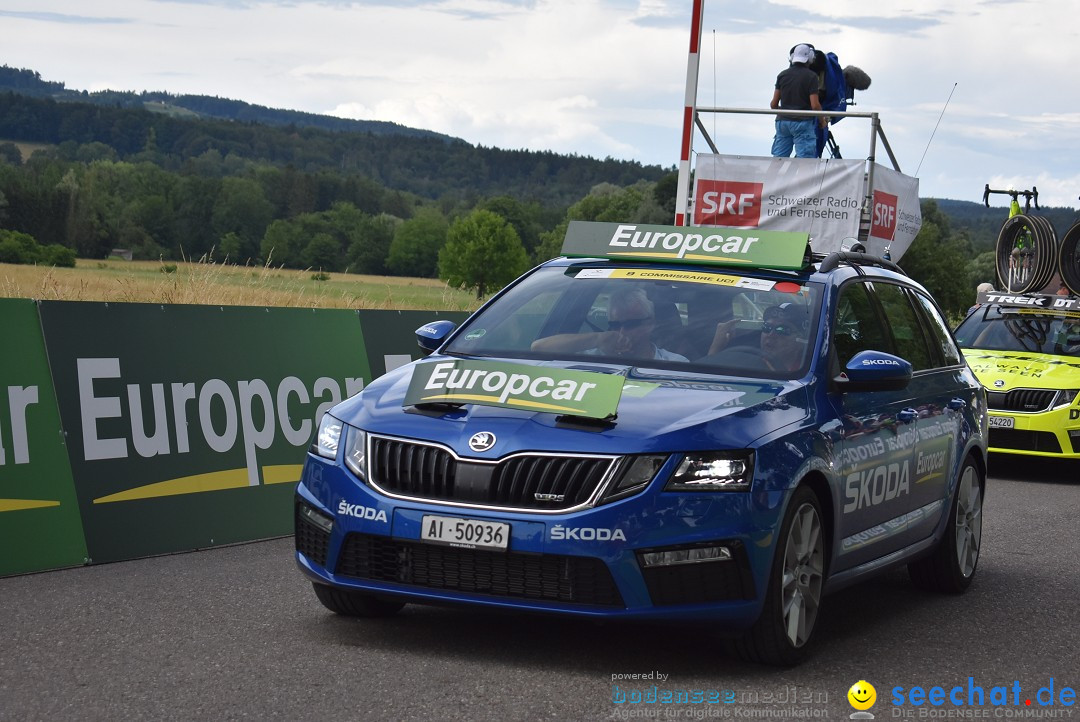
(832, 260)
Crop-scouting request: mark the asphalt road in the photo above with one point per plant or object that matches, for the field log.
(236, 633)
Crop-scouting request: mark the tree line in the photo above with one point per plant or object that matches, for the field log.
(83, 198)
(171, 188)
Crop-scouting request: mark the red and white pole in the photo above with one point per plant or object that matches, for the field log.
(682, 199)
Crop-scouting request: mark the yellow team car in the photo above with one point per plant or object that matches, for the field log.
(1025, 349)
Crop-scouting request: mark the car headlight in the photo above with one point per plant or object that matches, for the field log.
(327, 439)
(356, 451)
(713, 471)
(1065, 397)
(634, 476)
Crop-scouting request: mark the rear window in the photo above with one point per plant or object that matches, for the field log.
(705, 320)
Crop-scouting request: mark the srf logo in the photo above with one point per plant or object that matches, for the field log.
(883, 224)
(727, 203)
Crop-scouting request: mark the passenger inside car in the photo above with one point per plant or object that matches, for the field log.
(781, 343)
(631, 322)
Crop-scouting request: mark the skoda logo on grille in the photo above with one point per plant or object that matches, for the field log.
(998, 384)
(482, 441)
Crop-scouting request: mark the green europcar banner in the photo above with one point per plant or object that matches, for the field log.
(40, 527)
(515, 386)
(390, 336)
(187, 426)
(745, 247)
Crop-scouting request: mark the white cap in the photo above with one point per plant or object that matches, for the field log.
(985, 288)
(802, 53)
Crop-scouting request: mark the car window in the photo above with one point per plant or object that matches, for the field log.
(904, 323)
(857, 327)
(1014, 329)
(938, 331)
(734, 322)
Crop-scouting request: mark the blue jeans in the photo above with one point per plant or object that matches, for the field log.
(802, 134)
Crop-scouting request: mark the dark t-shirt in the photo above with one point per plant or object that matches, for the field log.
(796, 84)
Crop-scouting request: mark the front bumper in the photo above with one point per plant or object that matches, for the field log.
(587, 563)
(1054, 433)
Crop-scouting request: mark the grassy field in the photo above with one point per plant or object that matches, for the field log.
(218, 284)
(27, 149)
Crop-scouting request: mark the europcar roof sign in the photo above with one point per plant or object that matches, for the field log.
(515, 386)
(688, 244)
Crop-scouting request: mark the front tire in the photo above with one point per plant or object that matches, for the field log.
(355, 604)
(783, 633)
(951, 566)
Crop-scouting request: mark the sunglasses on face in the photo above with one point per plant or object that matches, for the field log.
(628, 324)
(778, 329)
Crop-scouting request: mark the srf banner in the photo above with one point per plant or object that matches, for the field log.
(40, 526)
(896, 215)
(187, 426)
(821, 197)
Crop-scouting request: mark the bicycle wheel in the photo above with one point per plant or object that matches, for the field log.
(1069, 259)
(1025, 254)
(1048, 260)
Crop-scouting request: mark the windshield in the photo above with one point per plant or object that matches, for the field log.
(716, 321)
(1014, 329)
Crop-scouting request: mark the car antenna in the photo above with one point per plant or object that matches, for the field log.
(935, 130)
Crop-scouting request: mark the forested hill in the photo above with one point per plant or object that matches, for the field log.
(29, 82)
(426, 164)
(982, 224)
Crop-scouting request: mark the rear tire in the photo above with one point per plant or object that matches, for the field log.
(951, 566)
(355, 604)
(783, 634)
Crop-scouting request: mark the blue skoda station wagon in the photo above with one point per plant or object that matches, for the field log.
(667, 423)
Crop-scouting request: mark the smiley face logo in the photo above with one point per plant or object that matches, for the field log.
(862, 695)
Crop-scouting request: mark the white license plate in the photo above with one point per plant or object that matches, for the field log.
(467, 533)
(1001, 422)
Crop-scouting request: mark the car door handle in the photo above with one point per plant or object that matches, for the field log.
(957, 404)
(906, 416)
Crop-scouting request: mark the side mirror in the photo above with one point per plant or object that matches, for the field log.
(431, 335)
(874, 371)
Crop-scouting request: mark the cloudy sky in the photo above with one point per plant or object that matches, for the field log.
(969, 92)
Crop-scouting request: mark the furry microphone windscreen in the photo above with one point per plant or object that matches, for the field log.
(856, 78)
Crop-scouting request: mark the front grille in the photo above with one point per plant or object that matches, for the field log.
(517, 481)
(311, 541)
(573, 580)
(524, 481)
(700, 582)
(1022, 440)
(413, 469)
(1029, 401)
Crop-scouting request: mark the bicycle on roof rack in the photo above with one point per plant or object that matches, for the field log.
(1026, 253)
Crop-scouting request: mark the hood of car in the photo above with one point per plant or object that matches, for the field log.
(659, 411)
(1005, 370)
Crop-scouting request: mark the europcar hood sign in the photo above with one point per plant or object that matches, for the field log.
(750, 248)
(515, 386)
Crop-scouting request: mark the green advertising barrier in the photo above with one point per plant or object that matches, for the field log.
(390, 336)
(40, 526)
(187, 425)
